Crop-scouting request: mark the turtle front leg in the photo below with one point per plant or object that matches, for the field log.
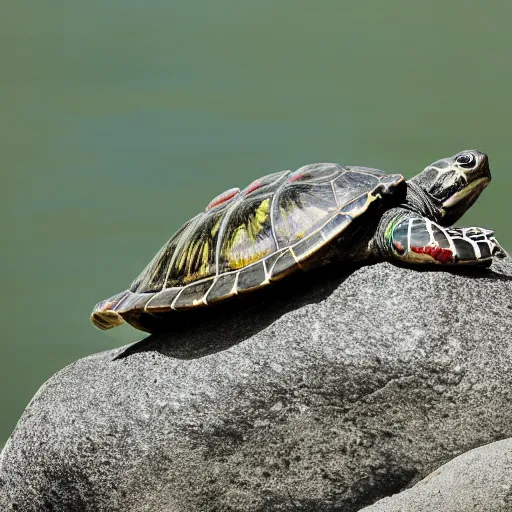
(414, 240)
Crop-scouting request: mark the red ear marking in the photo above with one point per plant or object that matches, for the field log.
(255, 185)
(223, 198)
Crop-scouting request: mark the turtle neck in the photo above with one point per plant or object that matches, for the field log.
(419, 201)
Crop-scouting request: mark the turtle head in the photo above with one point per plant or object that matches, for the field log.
(455, 183)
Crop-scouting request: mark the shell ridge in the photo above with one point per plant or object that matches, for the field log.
(277, 193)
(205, 297)
(275, 198)
(334, 194)
(173, 303)
(369, 190)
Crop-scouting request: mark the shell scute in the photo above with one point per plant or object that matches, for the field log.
(132, 301)
(223, 287)
(252, 277)
(194, 257)
(284, 265)
(300, 209)
(193, 295)
(322, 172)
(350, 186)
(305, 248)
(366, 170)
(335, 226)
(163, 300)
(248, 236)
(153, 276)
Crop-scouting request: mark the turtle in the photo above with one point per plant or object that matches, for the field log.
(319, 214)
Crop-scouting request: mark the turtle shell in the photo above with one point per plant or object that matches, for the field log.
(246, 239)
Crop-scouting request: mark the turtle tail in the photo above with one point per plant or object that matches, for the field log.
(104, 315)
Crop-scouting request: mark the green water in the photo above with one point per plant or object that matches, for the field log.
(120, 120)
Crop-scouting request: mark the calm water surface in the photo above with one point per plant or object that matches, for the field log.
(120, 120)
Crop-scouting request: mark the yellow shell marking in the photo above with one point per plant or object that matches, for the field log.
(203, 254)
(199, 250)
(241, 261)
(216, 226)
(187, 263)
(369, 200)
(242, 249)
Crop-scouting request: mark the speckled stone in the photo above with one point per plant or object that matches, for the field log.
(325, 393)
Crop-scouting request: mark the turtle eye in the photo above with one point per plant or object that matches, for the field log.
(466, 160)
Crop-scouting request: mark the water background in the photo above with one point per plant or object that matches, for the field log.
(120, 120)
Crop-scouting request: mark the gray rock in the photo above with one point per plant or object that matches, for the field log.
(324, 393)
(480, 480)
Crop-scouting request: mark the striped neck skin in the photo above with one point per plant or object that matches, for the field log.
(421, 202)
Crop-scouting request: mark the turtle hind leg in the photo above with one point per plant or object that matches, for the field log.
(417, 240)
(104, 317)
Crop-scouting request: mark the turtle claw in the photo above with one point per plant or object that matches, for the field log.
(488, 233)
(498, 250)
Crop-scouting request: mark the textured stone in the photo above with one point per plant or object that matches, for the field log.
(479, 480)
(326, 392)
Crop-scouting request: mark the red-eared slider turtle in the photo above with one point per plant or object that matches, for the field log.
(246, 239)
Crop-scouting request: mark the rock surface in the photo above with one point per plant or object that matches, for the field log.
(478, 480)
(325, 393)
